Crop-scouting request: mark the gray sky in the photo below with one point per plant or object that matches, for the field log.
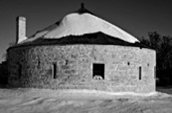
(137, 17)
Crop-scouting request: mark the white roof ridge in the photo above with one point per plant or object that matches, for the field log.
(78, 24)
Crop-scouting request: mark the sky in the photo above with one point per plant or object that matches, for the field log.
(137, 17)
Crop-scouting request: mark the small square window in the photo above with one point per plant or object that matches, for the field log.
(148, 64)
(98, 71)
(128, 63)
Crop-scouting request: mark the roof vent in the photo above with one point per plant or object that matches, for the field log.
(82, 6)
(83, 9)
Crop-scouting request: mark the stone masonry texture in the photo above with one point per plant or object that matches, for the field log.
(32, 66)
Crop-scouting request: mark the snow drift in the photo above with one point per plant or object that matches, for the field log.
(52, 101)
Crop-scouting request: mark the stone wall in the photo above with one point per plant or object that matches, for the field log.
(34, 67)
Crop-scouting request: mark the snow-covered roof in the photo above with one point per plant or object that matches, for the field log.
(78, 24)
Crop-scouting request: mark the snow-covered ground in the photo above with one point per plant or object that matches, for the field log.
(61, 101)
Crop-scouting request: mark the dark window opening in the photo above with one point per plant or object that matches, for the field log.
(98, 71)
(148, 64)
(54, 70)
(39, 62)
(140, 72)
(128, 63)
(19, 70)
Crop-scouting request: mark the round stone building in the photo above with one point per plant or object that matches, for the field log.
(81, 51)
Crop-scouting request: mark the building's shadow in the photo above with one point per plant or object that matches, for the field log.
(3, 75)
(164, 89)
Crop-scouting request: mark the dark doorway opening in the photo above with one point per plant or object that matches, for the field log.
(98, 71)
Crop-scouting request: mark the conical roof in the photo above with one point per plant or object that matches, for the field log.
(80, 23)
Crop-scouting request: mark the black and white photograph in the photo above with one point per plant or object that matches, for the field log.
(85, 56)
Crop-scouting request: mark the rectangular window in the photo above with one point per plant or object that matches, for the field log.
(20, 70)
(54, 70)
(140, 72)
(98, 71)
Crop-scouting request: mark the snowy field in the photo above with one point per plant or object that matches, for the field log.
(61, 101)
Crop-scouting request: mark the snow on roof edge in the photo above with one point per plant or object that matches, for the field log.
(46, 32)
